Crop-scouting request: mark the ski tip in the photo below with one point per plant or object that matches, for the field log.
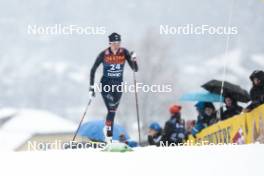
(117, 147)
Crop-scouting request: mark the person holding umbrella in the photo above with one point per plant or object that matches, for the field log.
(225, 89)
(206, 116)
(257, 90)
(231, 108)
(205, 108)
(209, 114)
(232, 94)
(199, 125)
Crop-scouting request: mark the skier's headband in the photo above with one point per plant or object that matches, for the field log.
(115, 42)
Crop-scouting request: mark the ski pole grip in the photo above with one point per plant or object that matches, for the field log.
(133, 55)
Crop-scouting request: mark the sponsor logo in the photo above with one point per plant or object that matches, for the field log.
(118, 59)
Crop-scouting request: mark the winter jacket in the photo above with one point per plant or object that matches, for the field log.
(203, 122)
(131, 143)
(230, 111)
(155, 140)
(257, 96)
(209, 120)
(174, 131)
(199, 126)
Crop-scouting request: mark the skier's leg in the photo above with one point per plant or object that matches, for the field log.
(107, 97)
(108, 100)
(113, 105)
(111, 99)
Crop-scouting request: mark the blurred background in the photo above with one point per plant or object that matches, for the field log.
(50, 73)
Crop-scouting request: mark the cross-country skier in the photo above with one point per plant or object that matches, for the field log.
(113, 59)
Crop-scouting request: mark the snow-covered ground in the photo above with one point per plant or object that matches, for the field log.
(25, 123)
(228, 160)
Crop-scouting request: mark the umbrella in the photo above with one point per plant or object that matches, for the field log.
(235, 91)
(94, 130)
(201, 96)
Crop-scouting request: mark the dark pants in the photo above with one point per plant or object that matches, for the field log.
(111, 97)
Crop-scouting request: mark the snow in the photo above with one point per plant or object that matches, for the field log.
(28, 122)
(7, 112)
(259, 59)
(79, 76)
(36, 120)
(216, 65)
(230, 160)
(58, 67)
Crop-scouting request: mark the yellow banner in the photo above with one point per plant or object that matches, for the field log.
(241, 129)
(255, 125)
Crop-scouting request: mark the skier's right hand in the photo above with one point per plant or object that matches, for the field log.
(91, 91)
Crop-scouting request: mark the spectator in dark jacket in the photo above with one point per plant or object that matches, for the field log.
(154, 134)
(206, 116)
(232, 108)
(257, 90)
(174, 130)
(209, 114)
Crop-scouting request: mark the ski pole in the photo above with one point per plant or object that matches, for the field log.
(137, 107)
(81, 121)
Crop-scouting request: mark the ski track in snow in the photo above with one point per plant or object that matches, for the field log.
(183, 161)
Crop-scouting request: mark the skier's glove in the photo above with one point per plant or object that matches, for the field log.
(91, 91)
(133, 56)
(134, 60)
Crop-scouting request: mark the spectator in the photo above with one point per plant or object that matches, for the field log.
(209, 115)
(189, 126)
(257, 90)
(174, 130)
(130, 143)
(206, 116)
(199, 124)
(154, 134)
(232, 108)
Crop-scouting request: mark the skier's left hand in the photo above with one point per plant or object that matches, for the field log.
(133, 56)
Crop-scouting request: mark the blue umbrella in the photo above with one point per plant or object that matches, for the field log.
(94, 131)
(202, 96)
